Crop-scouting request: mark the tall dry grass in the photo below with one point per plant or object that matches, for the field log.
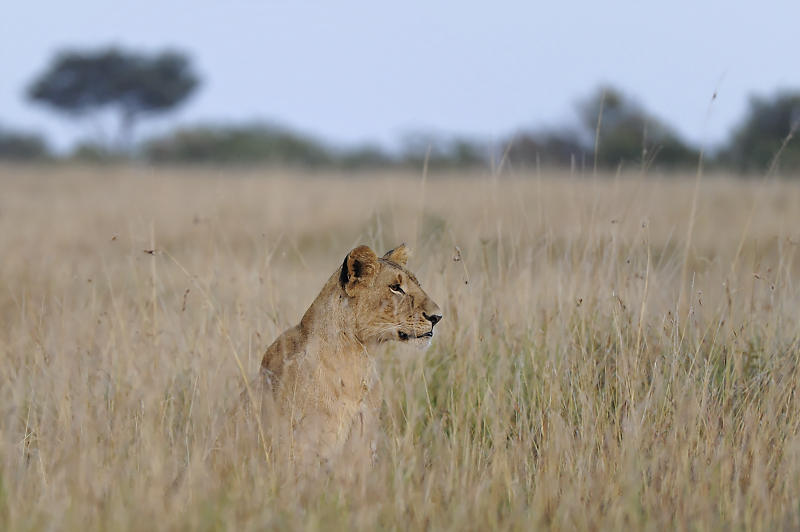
(575, 381)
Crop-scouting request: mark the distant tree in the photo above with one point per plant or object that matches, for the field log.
(19, 146)
(244, 144)
(367, 156)
(132, 84)
(548, 149)
(629, 134)
(441, 151)
(766, 135)
(467, 153)
(95, 153)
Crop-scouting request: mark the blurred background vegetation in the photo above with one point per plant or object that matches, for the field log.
(614, 131)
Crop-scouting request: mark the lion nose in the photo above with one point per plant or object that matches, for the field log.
(433, 318)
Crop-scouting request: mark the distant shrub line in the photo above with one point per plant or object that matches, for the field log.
(624, 134)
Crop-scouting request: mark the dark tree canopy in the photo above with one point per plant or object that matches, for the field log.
(16, 145)
(766, 133)
(132, 84)
(629, 134)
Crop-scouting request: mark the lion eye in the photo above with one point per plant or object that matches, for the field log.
(396, 288)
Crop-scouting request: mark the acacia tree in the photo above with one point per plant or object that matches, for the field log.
(134, 85)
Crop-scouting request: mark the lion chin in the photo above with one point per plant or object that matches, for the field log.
(421, 341)
(319, 382)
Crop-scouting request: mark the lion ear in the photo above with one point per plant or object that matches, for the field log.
(359, 265)
(398, 255)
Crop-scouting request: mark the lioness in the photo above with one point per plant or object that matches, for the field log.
(319, 377)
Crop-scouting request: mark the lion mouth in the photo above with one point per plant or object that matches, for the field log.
(405, 336)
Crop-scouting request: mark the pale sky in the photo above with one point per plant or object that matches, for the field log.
(351, 72)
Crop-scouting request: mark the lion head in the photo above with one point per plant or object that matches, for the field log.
(386, 298)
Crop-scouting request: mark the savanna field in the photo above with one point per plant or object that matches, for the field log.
(616, 352)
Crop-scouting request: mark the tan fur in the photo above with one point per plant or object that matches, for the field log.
(321, 386)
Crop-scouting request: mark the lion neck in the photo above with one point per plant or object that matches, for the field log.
(331, 318)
